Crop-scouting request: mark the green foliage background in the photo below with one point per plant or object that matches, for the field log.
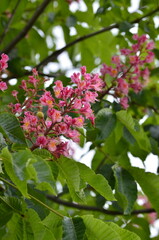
(97, 203)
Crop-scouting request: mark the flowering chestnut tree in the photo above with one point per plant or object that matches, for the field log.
(100, 89)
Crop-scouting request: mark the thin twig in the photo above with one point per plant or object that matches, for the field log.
(9, 22)
(28, 26)
(32, 197)
(56, 53)
(96, 209)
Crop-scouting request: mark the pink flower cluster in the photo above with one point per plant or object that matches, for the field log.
(51, 118)
(3, 65)
(130, 71)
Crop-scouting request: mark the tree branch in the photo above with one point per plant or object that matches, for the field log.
(9, 22)
(29, 25)
(56, 53)
(96, 209)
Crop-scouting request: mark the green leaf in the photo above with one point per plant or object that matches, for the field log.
(28, 227)
(123, 233)
(43, 153)
(135, 129)
(54, 222)
(9, 126)
(8, 164)
(126, 189)
(97, 229)
(70, 171)
(105, 122)
(125, 26)
(45, 180)
(97, 181)
(73, 229)
(149, 182)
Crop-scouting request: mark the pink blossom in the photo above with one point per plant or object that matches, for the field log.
(116, 60)
(136, 87)
(46, 99)
(75, 78)
(62, 128)
(59, 84)
(125, 51)
(142, 39)
(83, 70)
(135, 47)
(134, 59)
(78, 122)
(124, 102)
(74, 135)
(149, 57)
(41, 141)
(135, 37)
(3, 86)
(35, 72)
(24, 85)
(14, 93)
(3, 61)
(54, 114)
(150, 45)
(33, 80)
(52, 145)
(68, 120)
(77, 103)
(4, 57)
(123, 86)
(17, 108)
(90, 96)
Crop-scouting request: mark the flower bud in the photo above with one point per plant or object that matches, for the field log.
(40, 114)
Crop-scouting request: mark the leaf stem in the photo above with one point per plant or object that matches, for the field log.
(34, 198)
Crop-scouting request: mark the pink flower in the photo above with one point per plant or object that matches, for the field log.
(24, 85)
(116, 60)
(52, 145)
(135, 37)
(35, 72)
(77, 103)
(54, 114)
(4, 57)
(123, 86)
(150, 45)
(124, 102)
(46, 99)
(136, 86)
(142, 39)
(149, 57)
(41, 141)
(90, 96)
(3, 86)
(3, 61)
(83, 70)
(75, 78)
(68, 120)
(78, 122)
(59, 84)
(17, 108)
(125, 51)
(14, 93)
(61, 128)
(134, 59)
(33, 80)
(74, 135)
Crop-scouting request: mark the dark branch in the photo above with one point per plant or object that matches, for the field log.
(96, 209)
(56, 53)
(29, 25)
(9, 22)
